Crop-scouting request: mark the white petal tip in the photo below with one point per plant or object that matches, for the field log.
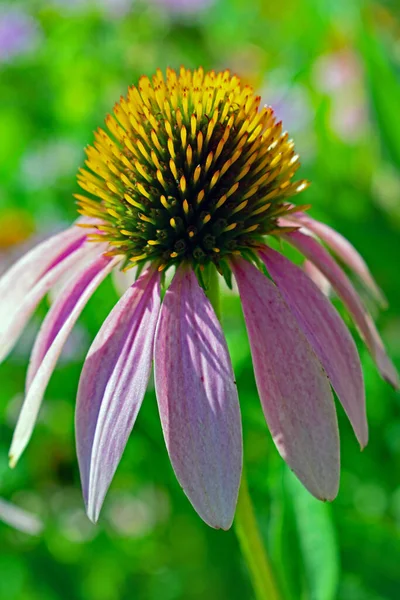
(12, 461)
(223, 524)
(92, 515)
(392, 379)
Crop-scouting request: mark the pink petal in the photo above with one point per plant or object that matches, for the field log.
(316, 276)
(198, 401)
(294, 391)
(344, 250)
(112, 386)
(26, 283)
(341, 283)
(50, 341)
(327, 334)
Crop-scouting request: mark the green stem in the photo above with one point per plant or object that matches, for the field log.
(252, 547)
(246, 527)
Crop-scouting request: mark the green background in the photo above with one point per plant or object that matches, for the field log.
(332, 71)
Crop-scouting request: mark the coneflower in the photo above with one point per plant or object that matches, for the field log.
(193, 175)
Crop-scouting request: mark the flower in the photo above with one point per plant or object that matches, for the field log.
(19, 34)
(195, 176)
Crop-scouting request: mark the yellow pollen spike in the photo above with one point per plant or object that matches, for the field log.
(168, 129)
(221, 201)
(207, 219)
(230, 227)
(200, 196)
(233, 189)
(160, 178)
(189, 155)
(171, 148)
(125, 180)
(183, 137)
(112, 187)
(142, 190)
(173, 254)
(251, 192)
(133, 202)
(200, 139)
(196, 175)
(172, 166)
(172, 222)
(156, 141)
(155, 160)
(209, 161)
(214, 180)
(164, 202)
(178, 116)
(193, 125)
(240, 207)
(143, 150)
(251, 228)
(182, 184)
(260, 210)
(185, 205)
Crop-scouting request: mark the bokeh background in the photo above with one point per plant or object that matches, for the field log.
(332, 72)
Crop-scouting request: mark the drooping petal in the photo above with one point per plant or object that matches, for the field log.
(344, 250)
(317, 277)
(294, 390)
(112, 386)
(27, 282)
(198, 401)
(19, 519)
(50, 341)
(312, 250)
(327, 334)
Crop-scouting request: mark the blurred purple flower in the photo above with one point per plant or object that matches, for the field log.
(340, 76)
(19, 33)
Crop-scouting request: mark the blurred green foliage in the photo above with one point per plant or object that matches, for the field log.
(332, 72)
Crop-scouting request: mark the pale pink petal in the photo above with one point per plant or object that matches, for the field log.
(112, 386)
(327, 334)
(316, 276)
(19, 519)
(312, 250)
(198, 400)
(344, 250)
(50, 341)
(24, 285)
(294, 390)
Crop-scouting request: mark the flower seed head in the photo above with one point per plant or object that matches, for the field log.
(191, 169)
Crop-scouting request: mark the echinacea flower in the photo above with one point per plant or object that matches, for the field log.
(195, 176)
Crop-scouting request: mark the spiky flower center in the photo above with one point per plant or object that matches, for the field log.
(192, 170)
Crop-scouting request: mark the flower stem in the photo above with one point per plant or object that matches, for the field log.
(246, 527)
(252, 547)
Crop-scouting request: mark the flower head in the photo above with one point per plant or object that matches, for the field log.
(192, 170)
(194, 175)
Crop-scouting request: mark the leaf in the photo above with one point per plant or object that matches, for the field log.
(317, 541)
(384, 87)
